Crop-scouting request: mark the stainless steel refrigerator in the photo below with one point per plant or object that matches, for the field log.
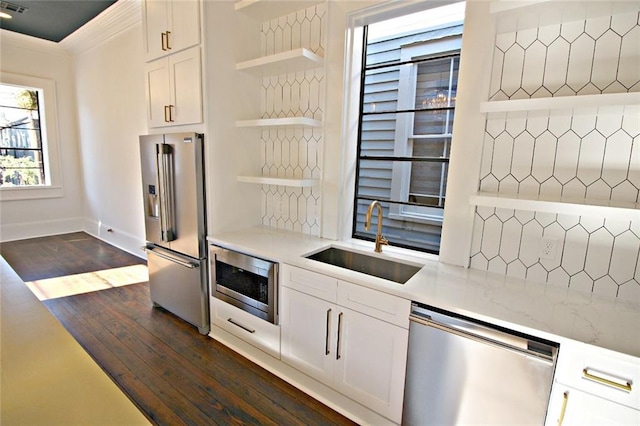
(173, 187)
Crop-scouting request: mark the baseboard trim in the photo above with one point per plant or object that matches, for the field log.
(24, 230)
(116, 237)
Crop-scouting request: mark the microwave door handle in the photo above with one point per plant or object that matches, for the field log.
(165, 180)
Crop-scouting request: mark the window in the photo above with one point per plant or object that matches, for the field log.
(29, 161)
(21, 161)
(407, 106)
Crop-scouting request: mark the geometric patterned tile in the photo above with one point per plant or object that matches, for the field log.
(582, 57)
(293, 153)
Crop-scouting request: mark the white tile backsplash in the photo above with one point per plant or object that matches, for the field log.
(293, 152)
(585, 153)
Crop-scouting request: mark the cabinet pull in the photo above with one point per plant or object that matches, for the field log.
(171, 113)
(232, 321)
(163, 41)
(339, 333)
(326, 337)
(590, 374)
(166, 115)
(168, 46)
(565, 400)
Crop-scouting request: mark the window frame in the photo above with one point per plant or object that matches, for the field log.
(52, 188)
(401, 175)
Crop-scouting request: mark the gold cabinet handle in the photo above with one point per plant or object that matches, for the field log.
(166, 113)
(565, 400)
(167, 38)
(626, 386)
(163, 39)
(171, 113)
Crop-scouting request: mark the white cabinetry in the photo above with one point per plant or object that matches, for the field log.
(170, 26)
(349, 337)
(249, 328)
(594, 386)
(174, 90)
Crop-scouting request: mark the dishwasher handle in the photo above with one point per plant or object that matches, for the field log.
(481, 333)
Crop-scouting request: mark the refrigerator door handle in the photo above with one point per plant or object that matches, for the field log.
(171, 257)
(165, 180)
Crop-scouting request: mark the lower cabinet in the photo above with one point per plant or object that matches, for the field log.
(570, 406)
(332, 340)
(253, 330)
(594, 386)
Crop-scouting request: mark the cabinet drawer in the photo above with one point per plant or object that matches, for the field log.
(308, 282)
(389, 308)
(600, 372)
(243, 325)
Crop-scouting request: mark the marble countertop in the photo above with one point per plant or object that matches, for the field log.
(46, 377)
(542, 310)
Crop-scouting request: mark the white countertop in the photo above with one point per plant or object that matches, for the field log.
(542, 310)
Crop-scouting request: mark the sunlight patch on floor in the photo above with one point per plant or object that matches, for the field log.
(69, 285)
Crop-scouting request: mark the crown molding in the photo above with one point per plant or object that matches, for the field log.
(10, 38)
(117, 18)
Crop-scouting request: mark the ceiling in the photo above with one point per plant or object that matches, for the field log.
(51, 20)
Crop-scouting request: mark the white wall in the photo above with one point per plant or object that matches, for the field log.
(38, 217)
(230, 37)
(111, 116)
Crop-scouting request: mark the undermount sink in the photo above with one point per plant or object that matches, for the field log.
(370, 265)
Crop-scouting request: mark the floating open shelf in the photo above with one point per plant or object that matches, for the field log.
(265, 10)
(514, 15)
(631, 100)
(559, 205)
(280, 122)
(292, 182)
(293, 60)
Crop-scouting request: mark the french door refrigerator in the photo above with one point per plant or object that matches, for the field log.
(175, 224)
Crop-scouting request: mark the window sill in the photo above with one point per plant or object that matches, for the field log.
(30, 193)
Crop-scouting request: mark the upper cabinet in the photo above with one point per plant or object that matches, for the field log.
(173, 72)
(174, 92)
(170, 26)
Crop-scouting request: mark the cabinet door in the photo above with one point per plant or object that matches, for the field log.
(158, 93)
(184, 24)
(371, 362)
(156, 25)
(571, 406)
(186, 87)
(307, 339)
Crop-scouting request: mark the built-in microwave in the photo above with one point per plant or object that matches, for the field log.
(245, 281)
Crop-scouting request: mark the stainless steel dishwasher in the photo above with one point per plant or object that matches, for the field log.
(461, 371)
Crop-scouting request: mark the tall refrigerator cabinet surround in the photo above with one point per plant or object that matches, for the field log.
(173, 187)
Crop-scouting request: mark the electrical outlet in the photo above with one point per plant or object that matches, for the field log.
(548, 248)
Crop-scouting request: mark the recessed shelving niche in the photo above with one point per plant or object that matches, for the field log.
(290, 77)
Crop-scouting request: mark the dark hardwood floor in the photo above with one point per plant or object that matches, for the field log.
(172, 373)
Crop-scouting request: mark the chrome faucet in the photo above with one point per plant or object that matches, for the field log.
(380, 240)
